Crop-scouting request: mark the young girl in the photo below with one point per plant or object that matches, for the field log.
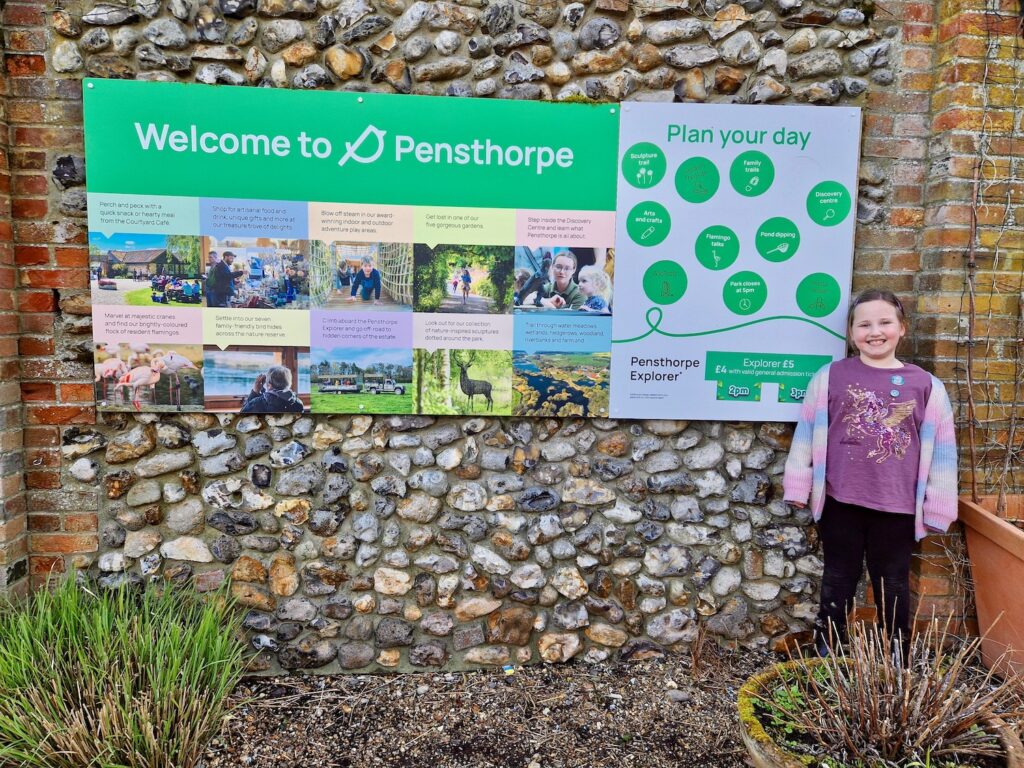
(874, 455)
(593, 282)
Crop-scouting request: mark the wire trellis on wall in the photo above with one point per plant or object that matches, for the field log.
(992, 405)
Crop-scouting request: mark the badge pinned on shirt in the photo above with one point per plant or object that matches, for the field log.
(897, 380)
(894, 392)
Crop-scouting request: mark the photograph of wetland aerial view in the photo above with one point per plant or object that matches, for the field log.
(560, 383)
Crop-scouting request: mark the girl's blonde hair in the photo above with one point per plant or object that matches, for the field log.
(600, 279)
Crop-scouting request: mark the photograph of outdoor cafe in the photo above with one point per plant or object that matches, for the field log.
(256, 272)
(145, 270)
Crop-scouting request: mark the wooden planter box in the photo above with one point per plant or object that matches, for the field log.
(996, 551)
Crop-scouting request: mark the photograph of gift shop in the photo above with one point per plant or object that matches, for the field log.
(366, 277)
(256, 273)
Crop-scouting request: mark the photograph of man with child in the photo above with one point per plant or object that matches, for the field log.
(256, 273)
(570, 280)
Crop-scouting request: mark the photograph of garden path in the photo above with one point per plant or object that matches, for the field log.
(471, 279)
(453, 381)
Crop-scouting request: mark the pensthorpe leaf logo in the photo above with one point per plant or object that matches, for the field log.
(352, 147)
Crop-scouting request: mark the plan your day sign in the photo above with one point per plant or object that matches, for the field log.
(734, 255)
(265, 251)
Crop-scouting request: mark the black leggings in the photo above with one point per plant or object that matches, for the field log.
(848, 533)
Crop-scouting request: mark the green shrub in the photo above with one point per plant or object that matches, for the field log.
(126, 678)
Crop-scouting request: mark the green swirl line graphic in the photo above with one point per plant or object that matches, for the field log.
(654, 316)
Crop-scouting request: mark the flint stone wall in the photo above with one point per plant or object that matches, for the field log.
(751, 51)
(402, 542)
(408, 542)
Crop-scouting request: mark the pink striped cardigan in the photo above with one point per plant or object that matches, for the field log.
(804, 481)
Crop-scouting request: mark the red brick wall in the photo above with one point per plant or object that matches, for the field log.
(13, 539)
(975, 128)
(896, 129)
(44, 116)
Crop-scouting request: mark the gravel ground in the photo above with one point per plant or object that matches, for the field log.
(677, 711)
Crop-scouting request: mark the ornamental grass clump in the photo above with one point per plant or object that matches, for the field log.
(870, 707)
(125, 678)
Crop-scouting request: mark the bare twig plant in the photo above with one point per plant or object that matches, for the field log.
(870, 707)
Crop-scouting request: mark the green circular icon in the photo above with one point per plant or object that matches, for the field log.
(665, 282)
(777, 239)
(717, 247)
(697, 180)
(648, 223)
(829, 203)
(745, 293)
(818, 295)
(643, 165)
(752, 173)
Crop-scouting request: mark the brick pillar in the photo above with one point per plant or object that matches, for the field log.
(894, 150)
(45, 118)
(13, 539)
(975, 115)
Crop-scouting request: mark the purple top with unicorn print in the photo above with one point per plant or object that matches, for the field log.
(874, 442)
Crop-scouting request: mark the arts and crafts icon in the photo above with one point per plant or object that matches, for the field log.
(352, 147)
(782, 248)
(647, 233)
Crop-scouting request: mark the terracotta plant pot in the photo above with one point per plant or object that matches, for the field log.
(996, 550)
(765, 753)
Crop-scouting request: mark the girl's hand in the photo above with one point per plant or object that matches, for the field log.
(797, 504)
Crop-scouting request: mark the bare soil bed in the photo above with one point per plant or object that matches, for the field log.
(675, 711)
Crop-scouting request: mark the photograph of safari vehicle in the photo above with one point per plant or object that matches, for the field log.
(342, 384)
(362, 380)
(376, 385)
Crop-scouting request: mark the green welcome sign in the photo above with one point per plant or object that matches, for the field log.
(263, 251)
(190, 140)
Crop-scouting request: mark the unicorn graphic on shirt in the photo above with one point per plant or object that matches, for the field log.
(869, 417)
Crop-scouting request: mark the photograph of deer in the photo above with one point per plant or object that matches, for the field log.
(468, 279)
(459, 381)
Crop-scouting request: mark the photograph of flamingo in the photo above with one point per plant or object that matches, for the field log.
(138, 376)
